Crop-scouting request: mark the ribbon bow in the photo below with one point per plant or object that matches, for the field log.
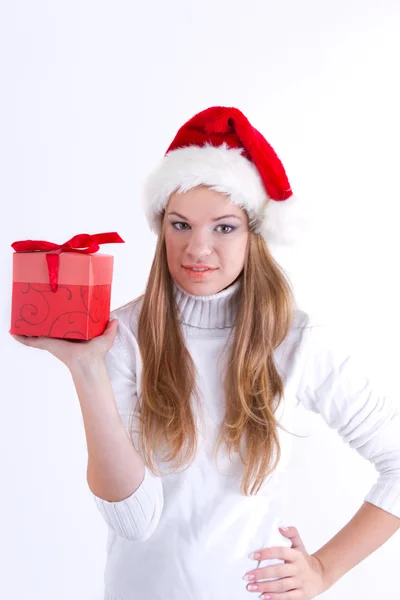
(83, 242)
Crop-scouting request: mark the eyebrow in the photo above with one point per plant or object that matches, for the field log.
(217, 219)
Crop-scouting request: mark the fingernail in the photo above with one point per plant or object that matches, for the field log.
(255, 555)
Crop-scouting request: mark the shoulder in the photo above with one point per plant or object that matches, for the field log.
(306, 327)
(324, 340)
(128, 317)
(128, 314)
(305, 319)
(307, 351)
(302, 322)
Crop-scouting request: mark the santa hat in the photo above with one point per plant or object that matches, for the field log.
(219, 148)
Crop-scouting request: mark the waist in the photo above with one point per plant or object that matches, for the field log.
(203, 558)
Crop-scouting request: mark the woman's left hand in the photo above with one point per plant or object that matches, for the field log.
(301, 576)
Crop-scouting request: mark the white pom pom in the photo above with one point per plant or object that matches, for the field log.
(285, 222)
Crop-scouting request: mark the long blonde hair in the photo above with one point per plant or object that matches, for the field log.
(252, 384)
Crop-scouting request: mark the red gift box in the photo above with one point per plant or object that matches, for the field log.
(62, 291)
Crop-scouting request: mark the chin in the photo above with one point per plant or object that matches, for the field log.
(203, 288)
(197, 287)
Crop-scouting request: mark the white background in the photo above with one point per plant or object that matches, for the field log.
(92, 94)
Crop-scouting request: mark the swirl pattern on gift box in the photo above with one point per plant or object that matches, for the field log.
(82, 316)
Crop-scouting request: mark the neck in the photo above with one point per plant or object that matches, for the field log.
(214, 311)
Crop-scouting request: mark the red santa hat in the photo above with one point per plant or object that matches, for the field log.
(219, 148)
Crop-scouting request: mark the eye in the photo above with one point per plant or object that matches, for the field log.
(178, 223)
(183, 226)
(229, 227)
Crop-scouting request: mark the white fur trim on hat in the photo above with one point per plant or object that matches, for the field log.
(224, 170)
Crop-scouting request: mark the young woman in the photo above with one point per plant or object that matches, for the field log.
(203, 372)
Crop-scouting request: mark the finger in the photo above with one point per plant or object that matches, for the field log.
(293, 534)
(296, 594)
(33, 341)
(24, 339)
(279, 586)
(111, 328)
(284, 553)
(282, 570)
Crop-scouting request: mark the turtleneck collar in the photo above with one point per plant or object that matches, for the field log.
(215, 311)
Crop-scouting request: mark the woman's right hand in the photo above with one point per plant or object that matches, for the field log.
(75, 353)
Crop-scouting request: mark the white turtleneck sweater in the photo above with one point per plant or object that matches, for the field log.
(188, 535)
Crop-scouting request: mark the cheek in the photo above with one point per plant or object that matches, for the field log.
(233, 251)
(173, 248)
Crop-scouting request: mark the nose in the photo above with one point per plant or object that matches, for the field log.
(199, 245)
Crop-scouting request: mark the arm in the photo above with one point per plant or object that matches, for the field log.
(335, 386)
(369, 529)
(128, 495)
(115, 469)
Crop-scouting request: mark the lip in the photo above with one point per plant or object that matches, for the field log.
(202, 266)
(198, 274)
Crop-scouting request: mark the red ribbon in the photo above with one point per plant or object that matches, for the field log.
(83, 242)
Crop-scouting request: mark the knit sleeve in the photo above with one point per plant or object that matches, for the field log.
(136, 517)
(335, 385)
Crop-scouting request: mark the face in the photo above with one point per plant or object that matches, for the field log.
(203, 229)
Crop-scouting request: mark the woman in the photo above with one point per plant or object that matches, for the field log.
(204, 373)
